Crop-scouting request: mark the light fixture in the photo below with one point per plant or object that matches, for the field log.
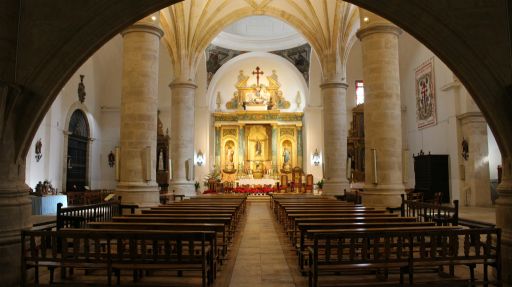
(200, 158)
(316, 157)
(153, 17)
(366, 19)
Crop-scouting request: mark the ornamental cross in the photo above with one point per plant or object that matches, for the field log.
(257, 73)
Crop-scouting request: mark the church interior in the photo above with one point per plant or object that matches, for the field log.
(219, 131)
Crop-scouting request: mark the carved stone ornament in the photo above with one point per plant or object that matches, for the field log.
(38, 150)
(81, 90)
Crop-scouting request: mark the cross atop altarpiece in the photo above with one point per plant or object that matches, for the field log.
(257, 73)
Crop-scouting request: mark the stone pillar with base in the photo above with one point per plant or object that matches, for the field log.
(477, 179)
(382, 114)
(504, 218)
(182, 137)
(139, 108)
(334, 95)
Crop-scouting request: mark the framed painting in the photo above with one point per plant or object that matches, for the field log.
(425, 95)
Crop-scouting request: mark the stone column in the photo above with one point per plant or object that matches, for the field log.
(139, 108)
(182, 136)
(274, 150)
(300, 151)
(217, 146)
(504, 218)
(15, 204)
(477, 179)
(382, 115)
(335, 137)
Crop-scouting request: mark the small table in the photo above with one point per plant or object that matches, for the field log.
(180, 196)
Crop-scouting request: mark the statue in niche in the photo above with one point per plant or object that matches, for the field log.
(81, 90)
(287, 157)
(257, 148)
(229, 166)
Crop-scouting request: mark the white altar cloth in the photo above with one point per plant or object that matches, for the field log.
(259, 181)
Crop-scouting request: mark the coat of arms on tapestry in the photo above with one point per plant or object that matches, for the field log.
(425, 95)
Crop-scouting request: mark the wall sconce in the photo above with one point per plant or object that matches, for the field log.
(316, 157)
(200, 158)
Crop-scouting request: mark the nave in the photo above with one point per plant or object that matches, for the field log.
(260, 253)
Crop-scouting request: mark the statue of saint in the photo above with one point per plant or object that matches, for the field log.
(257, 148)
(286, 156)
(229, 155)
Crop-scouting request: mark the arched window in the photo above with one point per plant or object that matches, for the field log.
(77, 151)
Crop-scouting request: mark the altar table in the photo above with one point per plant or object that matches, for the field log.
(259, 181)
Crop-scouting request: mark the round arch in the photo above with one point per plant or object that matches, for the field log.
(233, 62)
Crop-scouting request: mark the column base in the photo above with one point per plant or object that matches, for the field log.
(15, 214)
(385, 196)
(186, 188)
(334, 188)
(144, 195)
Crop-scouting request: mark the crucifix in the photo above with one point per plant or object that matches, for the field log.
(257, 73)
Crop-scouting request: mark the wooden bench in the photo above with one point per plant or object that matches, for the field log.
(341, 252)
(219, 228)
(442, 215)
(78, 216)
(116, 250)
(306, 229)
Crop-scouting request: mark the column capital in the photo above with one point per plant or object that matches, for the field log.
(143, 28)
(379, 28)
(333, 85)
(471, 117)
(182, 84)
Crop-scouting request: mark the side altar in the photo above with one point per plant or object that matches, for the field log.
(254, 139)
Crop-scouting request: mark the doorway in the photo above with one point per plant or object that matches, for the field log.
(77, 157)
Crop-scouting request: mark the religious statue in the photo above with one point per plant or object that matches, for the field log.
(286, 160)
(81, 89)
(229, 166)
(257, 148)
(161, 159)
(286, 156)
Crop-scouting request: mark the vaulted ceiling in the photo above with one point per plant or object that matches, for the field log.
(329, 26)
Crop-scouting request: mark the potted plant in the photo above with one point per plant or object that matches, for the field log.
(320, 185)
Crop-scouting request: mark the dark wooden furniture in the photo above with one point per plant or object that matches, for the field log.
(78, 216)
(441, 214)
(431, 175)
(339, 252)
(355, 144)
(115, 250)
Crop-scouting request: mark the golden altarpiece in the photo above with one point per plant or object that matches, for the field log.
(355, 144)
(254, 139)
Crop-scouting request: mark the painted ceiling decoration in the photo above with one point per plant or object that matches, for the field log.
(217, 56)
(299, 57)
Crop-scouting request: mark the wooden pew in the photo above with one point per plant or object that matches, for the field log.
(339, 252)
(290, 217)
(100, 249)
(443, 215)
(305, 230)
(219, 228)
(163, 218)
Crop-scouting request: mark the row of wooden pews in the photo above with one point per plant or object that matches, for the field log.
(191, 235)
(340, 238)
